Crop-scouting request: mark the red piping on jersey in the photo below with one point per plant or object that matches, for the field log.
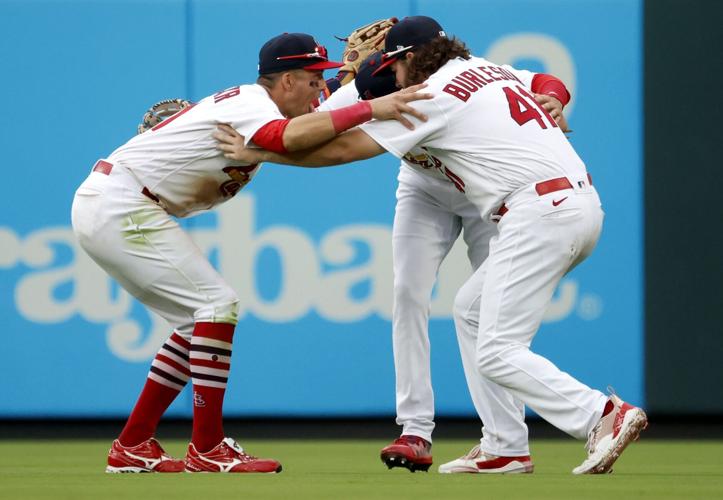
(550, 85)
(271, 136)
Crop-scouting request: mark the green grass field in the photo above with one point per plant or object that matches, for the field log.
(352, 469)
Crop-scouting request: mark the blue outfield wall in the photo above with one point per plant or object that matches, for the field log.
(308, 251)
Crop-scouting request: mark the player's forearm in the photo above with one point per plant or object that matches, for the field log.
(307, 131)
(312, 129)
(297, 159)
(348, 147)
(316, 128)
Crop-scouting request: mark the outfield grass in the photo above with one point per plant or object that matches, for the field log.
(352, 469)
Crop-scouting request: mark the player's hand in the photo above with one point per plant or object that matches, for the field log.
(553, 106)
(562, 123)
(392, 106)
(550, 104)
(232, 145)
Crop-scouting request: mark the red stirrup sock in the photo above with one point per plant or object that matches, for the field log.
(168, 376)
(210, 357)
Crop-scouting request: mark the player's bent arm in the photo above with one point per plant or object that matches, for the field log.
(348, 147)
(309, 130)
(312, 129)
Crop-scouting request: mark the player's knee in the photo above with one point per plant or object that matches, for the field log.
(410, 295)
(486, 364)
(491, 361)
(186, 330)
(465, 309)
(460, 307)
(222, 308)
(227, 305)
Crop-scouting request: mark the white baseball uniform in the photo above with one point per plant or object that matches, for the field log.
(122, 213)
(430, 214)
(499, 146)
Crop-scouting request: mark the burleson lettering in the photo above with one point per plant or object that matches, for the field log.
(467, 82)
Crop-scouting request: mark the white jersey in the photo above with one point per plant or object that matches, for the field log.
(486, 130)
(178, 160)
(346, 95)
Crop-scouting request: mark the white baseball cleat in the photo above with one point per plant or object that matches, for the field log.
(477, 461)
(616, 429)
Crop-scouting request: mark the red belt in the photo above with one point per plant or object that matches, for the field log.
(105, 168)
(543, 188)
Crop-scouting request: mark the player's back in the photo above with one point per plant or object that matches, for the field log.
(495, 130)
(178, 160)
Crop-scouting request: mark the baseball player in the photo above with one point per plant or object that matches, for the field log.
(123, 216)
(507, 154)
(429, 216)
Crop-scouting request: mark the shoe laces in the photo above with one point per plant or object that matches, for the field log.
(594, 436)
(475, 452)
(411, 440)
(157, 447)
(242, 455)
(245, 457)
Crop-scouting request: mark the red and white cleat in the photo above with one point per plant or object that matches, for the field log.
(617, 429)
(411, 452)
(148, 456)
(228, 456)
(479, 462)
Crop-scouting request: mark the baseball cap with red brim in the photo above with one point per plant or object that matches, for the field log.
(294, 51)
(406, 35)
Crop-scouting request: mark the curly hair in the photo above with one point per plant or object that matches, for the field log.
(433, 55)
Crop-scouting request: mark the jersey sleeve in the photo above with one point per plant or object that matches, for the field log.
(552, 86)
(397, 139)
(345, 96)
(271, 136)
(247, 111)
(542, 83)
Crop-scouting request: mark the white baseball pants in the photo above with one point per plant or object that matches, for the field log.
(430, 214)
(136, 242)
(499, 310)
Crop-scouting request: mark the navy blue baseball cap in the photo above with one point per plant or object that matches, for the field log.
(294, 51)
(408, 34)
(370, 84)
